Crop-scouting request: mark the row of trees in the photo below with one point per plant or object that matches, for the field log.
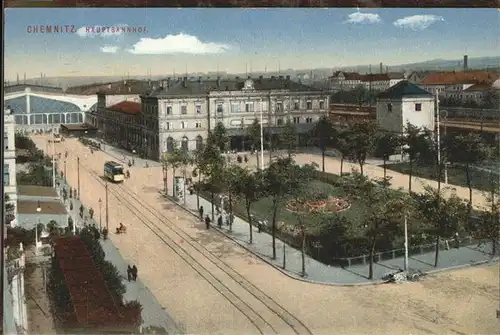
(283, 180)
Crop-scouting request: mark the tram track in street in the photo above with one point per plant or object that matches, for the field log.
(236, 281)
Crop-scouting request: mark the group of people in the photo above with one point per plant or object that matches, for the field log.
(132, 273)
(220, 220)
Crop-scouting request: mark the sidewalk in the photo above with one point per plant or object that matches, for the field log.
(319, 272)
(153, 314)
(123, 156)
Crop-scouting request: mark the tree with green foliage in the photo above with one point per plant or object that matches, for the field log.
(37, 175)
(468, 150)
(344, 145)
(174, 160)
(324, 133)
(363, 140)
(289, 137)
(220, 137)
(446, 216)
(412, 144)
(386, 145)
(360, 94)
(253, 132)
(308, 218)
(250, 187)
(211, 165)
(281, 180)
(385, 215)
(488, 227)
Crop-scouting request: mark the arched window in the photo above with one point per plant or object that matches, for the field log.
(199, 142)
(185, 144)
(170, 144)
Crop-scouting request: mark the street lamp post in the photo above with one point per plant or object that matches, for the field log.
(445, 112)
(406, 244)
(53, 161)
(100, 214)
(107, 207)
(261, 140)
(38, 210)
(78, 174)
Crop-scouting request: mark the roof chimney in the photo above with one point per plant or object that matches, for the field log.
(184, 82)
(466, 62)
(218, 81)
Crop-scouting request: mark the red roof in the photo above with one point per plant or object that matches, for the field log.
(456, 78)
(92, 300)
(128, 107)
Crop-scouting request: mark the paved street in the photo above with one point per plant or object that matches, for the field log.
(317, 271)
(191, 300)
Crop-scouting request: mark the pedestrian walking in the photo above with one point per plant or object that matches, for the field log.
(129, 164)
(134, 273)
(219, 221)
(457, 241)
(129, 273)
(207, 221)
(200, 210)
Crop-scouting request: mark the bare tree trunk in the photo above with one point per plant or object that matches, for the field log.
(212, 200)
(303, 252)
(248, 204)
(174, 188)
(469, 185)
(341, 166)
(323, 158)
(436, 258)
(372, 260)
(410, 174)
(361, 168)
(275, 213)
(385, 168)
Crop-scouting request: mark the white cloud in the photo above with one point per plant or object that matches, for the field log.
(359, 17)
(110, 49)
(180, 43)
(418, 22)
(101, 31)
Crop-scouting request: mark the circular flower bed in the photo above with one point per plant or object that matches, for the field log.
(332, 205)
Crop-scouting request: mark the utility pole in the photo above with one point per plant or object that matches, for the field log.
(107, 207)
(78, 174)
(438, 132)
(53, 161)
(262, 141)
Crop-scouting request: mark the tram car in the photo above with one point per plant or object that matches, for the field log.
(114, 171)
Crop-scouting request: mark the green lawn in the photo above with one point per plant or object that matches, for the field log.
(481, 180)
(262, 209)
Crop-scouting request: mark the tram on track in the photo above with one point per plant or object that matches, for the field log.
(114, 171)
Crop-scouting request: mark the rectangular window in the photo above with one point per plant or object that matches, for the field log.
(220, 108)
(169, 110)
(296, 120)
(249, 107)
(169, 126)
(309, 120)
(235, 108)
(198, 124)
(279, 122)
(6, 174)
(279, 107)
(309, 105)
(418, 107)
(389, 107)
(321, 105)
(183, 124)
(296, 105)
(184, 109)
(6, 140)
(198, 109)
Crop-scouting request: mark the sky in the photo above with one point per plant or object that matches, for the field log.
(158, 41)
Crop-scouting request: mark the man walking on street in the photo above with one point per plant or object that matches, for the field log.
(129, 273)
(207, 221)
(219, 221)
(134, 273)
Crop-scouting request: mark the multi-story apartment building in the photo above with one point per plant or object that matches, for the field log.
(181, 112)
(9, 164)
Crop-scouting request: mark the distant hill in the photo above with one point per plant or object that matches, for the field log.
(311, 74)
